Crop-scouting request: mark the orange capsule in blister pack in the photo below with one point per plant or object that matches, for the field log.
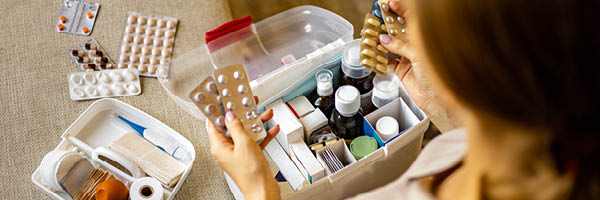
(76, 14)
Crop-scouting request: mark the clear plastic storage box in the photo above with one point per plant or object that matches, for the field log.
(300, 36)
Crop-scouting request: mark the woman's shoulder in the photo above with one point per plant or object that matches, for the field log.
(440, 154)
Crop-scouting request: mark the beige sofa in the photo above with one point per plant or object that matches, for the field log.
(35, 107)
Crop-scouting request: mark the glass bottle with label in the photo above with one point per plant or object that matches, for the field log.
(358, 76)
(325, 101)
(347, 118)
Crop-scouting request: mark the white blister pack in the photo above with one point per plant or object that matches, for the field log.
(148, 44)
(77, 17)
(107, 83)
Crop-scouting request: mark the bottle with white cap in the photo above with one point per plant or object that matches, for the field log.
(387, 127)
(347, 119)
(325, 91)
(386, 89)
(357, 75)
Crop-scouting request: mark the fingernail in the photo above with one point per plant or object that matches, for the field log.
(230, 116)
(385, 39)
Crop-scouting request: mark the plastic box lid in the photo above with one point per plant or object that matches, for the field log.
(265, 48)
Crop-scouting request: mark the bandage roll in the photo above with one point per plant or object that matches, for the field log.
(146, 189)
(55, 165)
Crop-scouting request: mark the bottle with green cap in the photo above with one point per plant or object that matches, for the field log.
(347, 119)
(362, 146)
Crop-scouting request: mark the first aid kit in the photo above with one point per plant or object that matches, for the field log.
(281, 55)
(116, 150)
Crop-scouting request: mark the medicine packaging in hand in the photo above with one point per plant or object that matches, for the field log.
(77, 17)
(100, 84)
(90, 56)
(229, 91)
(395, 24)
(372, 53)
(148, 44)
(207, 99)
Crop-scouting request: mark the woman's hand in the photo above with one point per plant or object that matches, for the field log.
(409, 69)
(243, 159)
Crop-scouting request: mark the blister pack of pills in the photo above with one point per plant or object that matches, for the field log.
(90, 56)
(107, 83)
(395, 25)
(148, 44)
(372, 53)
(77, 17)
(207, 99)
(233, 95)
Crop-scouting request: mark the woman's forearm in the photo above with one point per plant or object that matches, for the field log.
(264, 187)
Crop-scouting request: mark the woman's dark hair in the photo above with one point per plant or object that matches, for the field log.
(532, 62)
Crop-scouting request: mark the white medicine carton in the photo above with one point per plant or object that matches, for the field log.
(315, 38)
(96, 128)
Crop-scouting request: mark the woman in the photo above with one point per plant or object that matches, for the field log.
(521, 77)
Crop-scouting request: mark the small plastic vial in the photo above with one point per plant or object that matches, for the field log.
(325, 102)
(357, 75)
(386, 89)
(347, 118)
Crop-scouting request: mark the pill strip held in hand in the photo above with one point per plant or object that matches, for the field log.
(233, 95)
(77, 17)
(395, 25)
(107, 83)
(207, 99)
(372, 53)
(90, 56)
(148, 44)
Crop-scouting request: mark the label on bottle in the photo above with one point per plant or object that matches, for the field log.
(365, 100)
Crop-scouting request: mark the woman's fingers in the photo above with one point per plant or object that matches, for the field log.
(270, 135)
(266, 116)
(392, 44)
(403, 68)
(392, 64)
(236, 129)
(396, 46)
(218, 141)
(397, 7)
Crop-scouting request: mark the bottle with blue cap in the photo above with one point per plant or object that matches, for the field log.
(347, 118)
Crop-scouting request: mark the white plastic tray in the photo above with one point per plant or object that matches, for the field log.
(97, 128)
